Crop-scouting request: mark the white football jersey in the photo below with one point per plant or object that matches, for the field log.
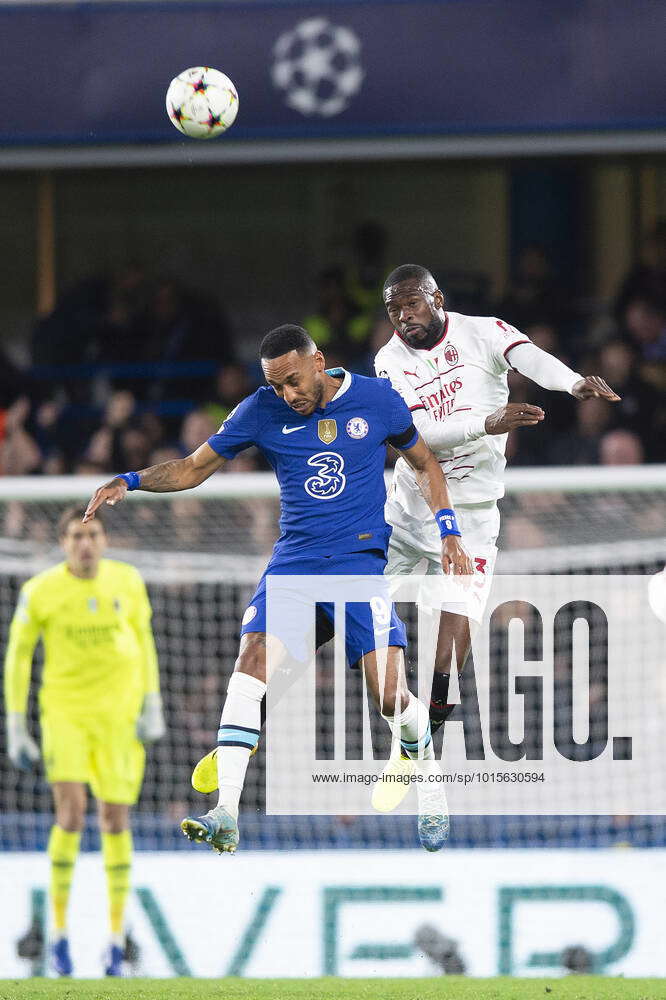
(461, 378)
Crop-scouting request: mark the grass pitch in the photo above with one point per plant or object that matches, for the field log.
(445, 988)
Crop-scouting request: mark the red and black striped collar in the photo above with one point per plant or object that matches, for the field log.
(442, 338)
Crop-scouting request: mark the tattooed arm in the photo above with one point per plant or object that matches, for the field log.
(168, 477)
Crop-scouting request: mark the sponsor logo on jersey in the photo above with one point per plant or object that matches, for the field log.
(327, 431)
(442, 402)
(117, 606)
(451, 355)
(383, 374)
(250, 613)
(357, 427)
(92, 604)
(507, 331)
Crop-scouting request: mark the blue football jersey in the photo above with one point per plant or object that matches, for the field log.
(330, 464)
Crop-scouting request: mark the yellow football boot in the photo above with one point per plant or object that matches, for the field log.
(204, 775)
(394, 783)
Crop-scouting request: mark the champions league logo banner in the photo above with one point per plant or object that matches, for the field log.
(307, 70)
(559, 708)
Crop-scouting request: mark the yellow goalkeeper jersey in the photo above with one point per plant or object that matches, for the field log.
(99, 651)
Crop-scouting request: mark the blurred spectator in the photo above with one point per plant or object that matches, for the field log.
(648, 279)
(13, 382)
(645, 321)
(232, 384)
(534, 295)
(338, 325)
(133, 449)
(105, 447)
(180, 327)
(95, 320)
(580, 445)
(528, 446)
(365, 280)
(620, 447)
(642, 408)
(197, 427)
(19, 452)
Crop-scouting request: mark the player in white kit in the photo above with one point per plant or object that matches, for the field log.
(452, 372)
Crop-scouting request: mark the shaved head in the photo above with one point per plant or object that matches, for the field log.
(413, 272)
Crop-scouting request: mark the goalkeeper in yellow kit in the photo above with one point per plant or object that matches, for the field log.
(99, 702)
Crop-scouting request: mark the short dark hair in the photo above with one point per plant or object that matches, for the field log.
(286, 338)
(75, 512)
(407, 272)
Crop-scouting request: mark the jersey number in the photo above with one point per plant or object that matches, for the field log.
(331, 480)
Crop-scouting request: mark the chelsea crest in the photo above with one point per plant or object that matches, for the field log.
(357, 427)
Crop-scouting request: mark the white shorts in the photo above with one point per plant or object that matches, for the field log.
(413, 541)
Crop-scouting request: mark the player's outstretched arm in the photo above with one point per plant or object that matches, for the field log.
(433, 486)
(167, 477)
(551, 373)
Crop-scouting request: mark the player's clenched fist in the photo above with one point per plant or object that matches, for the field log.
(454, 557)
(111, 493)
(513, 415)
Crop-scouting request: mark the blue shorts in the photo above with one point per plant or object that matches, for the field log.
(364, 631)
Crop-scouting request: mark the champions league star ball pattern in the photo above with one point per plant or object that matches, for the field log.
(202, 102)
(318, 67)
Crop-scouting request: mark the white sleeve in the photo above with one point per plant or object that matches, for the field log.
(542, 367)
(450, 433)
(439, 436)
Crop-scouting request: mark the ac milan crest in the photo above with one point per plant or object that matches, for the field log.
(451, 355)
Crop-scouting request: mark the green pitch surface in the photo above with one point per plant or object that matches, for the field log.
(446, 988)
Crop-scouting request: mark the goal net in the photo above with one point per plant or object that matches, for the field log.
(201, 554)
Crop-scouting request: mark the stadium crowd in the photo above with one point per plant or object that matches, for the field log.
(128, 371)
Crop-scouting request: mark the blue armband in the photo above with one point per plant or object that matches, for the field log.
(133, 479)
(446, 519)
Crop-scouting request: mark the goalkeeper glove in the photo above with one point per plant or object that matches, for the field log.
(150, 725)
(21, 748)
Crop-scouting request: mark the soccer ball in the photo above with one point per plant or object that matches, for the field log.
(318, 66)
(202, 102)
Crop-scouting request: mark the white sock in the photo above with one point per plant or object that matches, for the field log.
(240, 727)
(412, 729)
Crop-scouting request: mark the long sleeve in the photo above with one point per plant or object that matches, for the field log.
(543, 368)
(449, 433)
(23, 635)
(141, 620)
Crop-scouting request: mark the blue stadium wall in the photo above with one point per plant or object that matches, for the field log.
(97, 73)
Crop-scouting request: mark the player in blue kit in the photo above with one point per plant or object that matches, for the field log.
(325, 433)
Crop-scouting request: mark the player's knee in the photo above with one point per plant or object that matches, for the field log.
(252, 657)
(394, 701)
(70, 816)
(445, 658)
(113, 818)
